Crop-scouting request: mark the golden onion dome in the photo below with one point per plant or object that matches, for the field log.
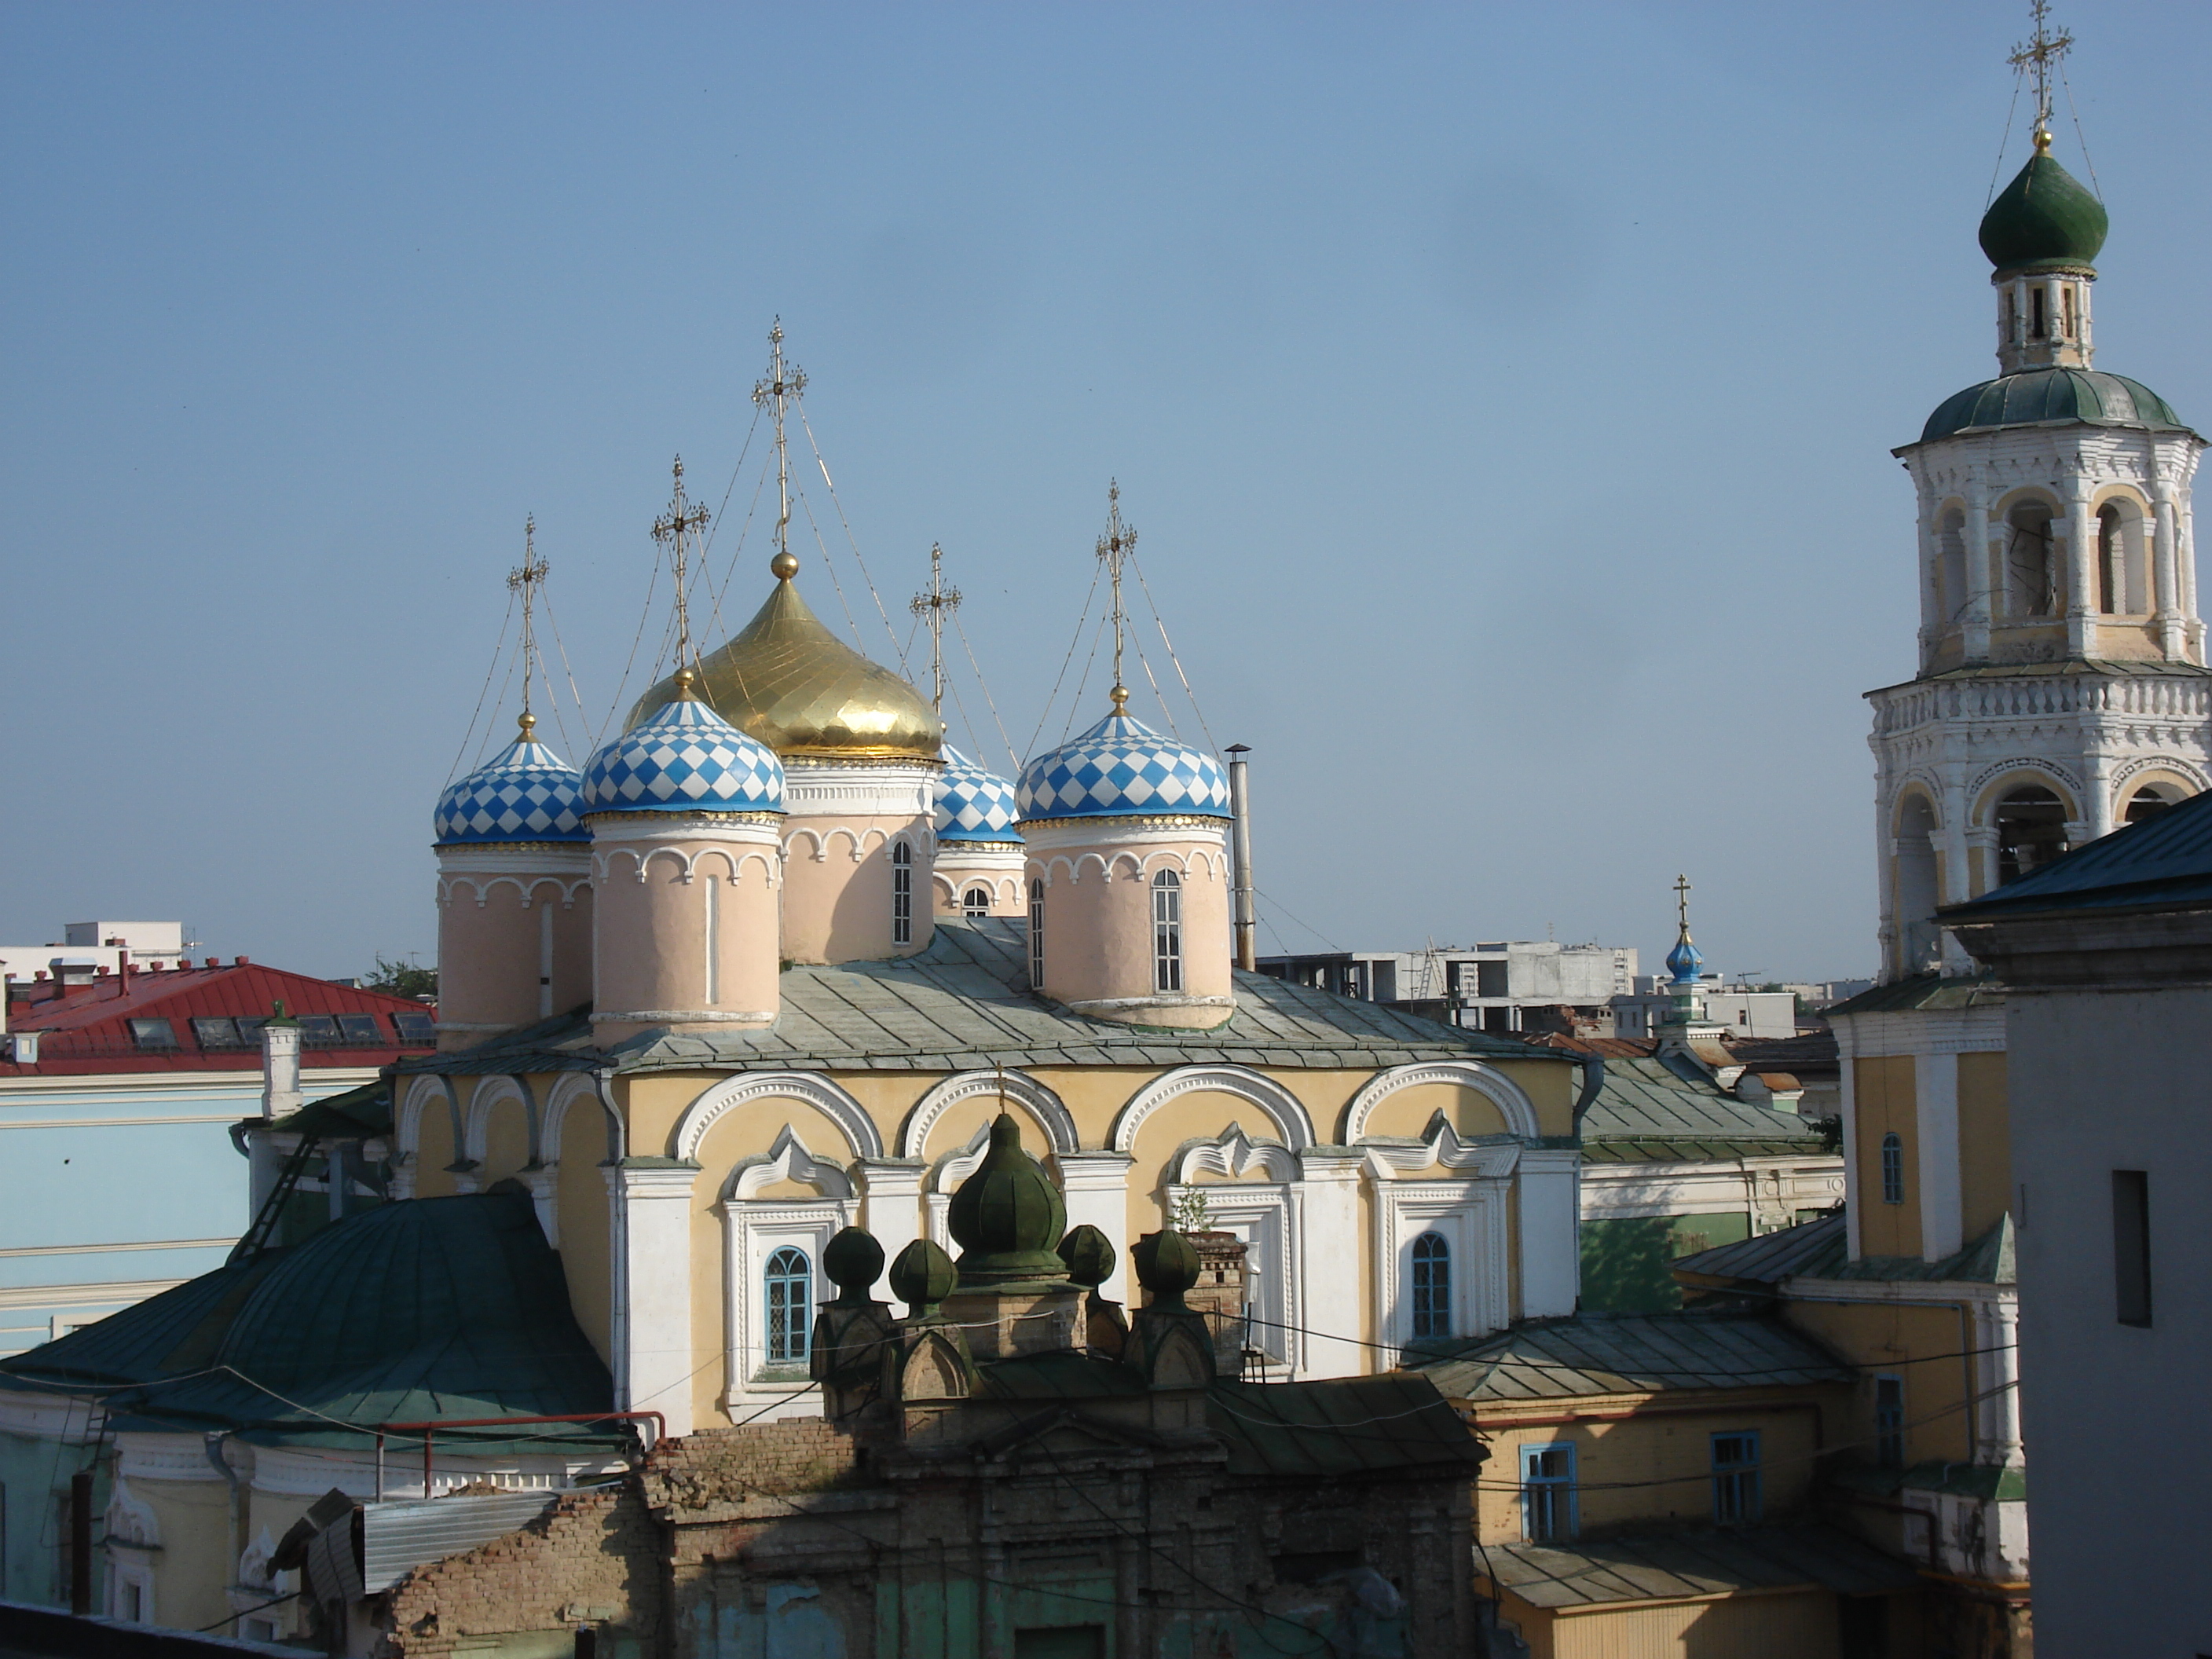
(791, 684)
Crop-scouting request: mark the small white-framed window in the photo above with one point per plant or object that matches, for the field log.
(1736, 1495)
(1167, 931)
(1892, 1169)
(787, 1300)
(976, 901)
(902, 893)
(1547, 1492)
(1431, 1287)
(1036, 935)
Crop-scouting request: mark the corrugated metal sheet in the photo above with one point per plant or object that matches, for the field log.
(1693, 1562)
(397, 1538)
(1633, 1353)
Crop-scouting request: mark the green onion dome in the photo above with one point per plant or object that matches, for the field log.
(2043, 218)
(2052, 397)
(1007, 1218)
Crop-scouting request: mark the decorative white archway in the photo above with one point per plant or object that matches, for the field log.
(1282, 1108)
(490, 1092)
(817, 1091)
(568, 1089)
(1042, 1104)
(1492, 1084)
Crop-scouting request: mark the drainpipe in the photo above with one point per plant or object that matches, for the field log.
(217, 1455)
(617, 1238)
(1240, 812)
(1593, 1081)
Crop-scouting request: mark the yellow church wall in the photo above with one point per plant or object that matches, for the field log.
(1650, 1458)
(1916, 1343)
(587, 1247)
(1800, 1621)
(192, 1563)
(1408, 1112)
(651, 1106)
(506, 1141)
(434, 1150)
(1882, 1098)
(1984, 1143)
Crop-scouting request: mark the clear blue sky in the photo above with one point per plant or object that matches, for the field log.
(1505, 395)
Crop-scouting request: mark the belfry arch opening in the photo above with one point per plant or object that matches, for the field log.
(1919, 939)
(2149, 801)
(2031, 826)
(2031, 572)
(1951, 565)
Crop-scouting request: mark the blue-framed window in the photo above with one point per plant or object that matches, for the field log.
(1431, 1285)
(1892, 1170)
(1547, 1492)
(1736, 1495)
(787, 1293)
(1889, 1422)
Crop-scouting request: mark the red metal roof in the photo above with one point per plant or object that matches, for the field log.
(85, 1028)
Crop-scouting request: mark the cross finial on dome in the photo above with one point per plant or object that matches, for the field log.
(1118, 544)
(2040, 53)
(526, 579)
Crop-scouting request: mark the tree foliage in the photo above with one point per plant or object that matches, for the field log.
(401, 979)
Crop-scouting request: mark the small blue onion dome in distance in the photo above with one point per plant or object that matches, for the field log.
(972, 803)
(1121, 768)
(684, 758)
(525, 793)
(1684, 960)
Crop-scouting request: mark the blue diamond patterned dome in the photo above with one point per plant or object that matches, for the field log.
(973, 804)
(525, 793)
(684, 758)
(1121, 768)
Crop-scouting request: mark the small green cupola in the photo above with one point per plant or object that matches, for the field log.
(2045, 220)
(1007, 1216)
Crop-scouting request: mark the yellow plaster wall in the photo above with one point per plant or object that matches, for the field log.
(1984, 1143)
(581, 1200)
(434, 1148)
(1918, 1344)
(1660, 1443)
(1882, 1097)
(506, 1141)
(193, 1563)
(1802, 1623)
(651, 1106)
(1407, 1112)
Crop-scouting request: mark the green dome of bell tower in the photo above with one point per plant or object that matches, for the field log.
(2045, 220)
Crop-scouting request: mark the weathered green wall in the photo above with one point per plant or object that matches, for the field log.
(1628, 1263)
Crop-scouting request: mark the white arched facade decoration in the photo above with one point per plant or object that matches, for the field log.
(476, 1125)
(577, 1091)
(421, 1093)
(1267, 1217)
(1492, 1084)
(687, 861)
(1233, 1155)
(818, 842)
(1463, 1191)
(817, 1091)
(754, 1229)
(1283, 1108)
(1042, 1104)
(2187, 771)
(526, 886)
(1128, 865)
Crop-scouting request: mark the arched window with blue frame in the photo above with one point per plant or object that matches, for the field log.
(1431, 1287)
(1892, 1170)
(787, 1287)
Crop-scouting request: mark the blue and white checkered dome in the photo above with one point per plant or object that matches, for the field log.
(684, 758)
(972, 803)
(1121, 768)
(525, 793)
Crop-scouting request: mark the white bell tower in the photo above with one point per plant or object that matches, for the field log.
(2062, 690)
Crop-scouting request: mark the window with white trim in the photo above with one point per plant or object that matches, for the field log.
(1892, 1169)
(787, 1297)
(1547, 1492)
(976, 901)
(1167, 931)
(1431, 1284)
(1737, 1496)
(1036, 935)
(902, 893)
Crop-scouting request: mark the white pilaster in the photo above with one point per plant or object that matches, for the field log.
(1936, 1102)
(656, 1201)
(1550, 1205)
(1097, 1188)
(1329, 1239)
(891, 1188)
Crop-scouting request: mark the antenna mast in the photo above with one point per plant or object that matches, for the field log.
(935, 605)
(2041, 52)
(776, 392)
(1118, 542)
(673, 530)
(525, 580)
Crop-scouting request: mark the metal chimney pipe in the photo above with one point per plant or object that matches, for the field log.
(1245, 924)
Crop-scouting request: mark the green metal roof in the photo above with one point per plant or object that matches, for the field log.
(2165, 860)
(440, 1308)
(965, 1004)
(1821, 1249)
(2043, 218)
(2052, 397)
(1692, 1562)
(1595, 1353)
(1394, 1423)
(1924, 991)
(355, 1114)
(1666, 1108)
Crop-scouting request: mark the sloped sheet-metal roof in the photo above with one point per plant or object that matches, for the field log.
(1632, 1353)
(964, 1003)
(1821, 1249)
(1924, 991)
(1665, 1106)
(437, 1308)
(1692, 1562)
(1396, 1423)
(2163, 860)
